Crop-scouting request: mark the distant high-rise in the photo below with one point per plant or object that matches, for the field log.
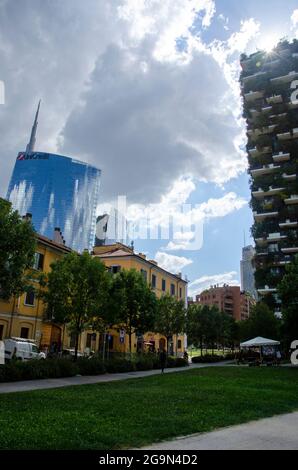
(112, 228)
(269, 90)
(58, 191)
(247, 271)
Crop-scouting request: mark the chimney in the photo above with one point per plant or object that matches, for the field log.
(58, 237)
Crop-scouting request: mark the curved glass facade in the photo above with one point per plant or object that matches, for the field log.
(59, 192)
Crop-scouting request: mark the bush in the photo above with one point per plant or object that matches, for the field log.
(30, 370)
(62, 367)
(92, 366)
(176, 362)
(119, 365)
(208, 358)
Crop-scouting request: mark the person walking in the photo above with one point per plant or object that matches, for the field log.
(163, 360)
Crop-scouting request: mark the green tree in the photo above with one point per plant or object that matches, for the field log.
(17, 248)
(171, 317)
(262, 322)
(288, 293)
(136, 303)
(76, 292)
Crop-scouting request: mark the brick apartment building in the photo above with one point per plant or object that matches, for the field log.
(228, 299)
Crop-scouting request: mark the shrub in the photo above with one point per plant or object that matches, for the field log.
(92, 366)
(208, 358)
(119, 365)
(176, 362)
(49, 368)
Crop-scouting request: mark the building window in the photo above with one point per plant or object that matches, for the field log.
(115, 269)
(180, 292)
(30, 298)
(172, 289)
(38, 261)
(163, 285)
(24, 333)
(179, 344)
(144, 274)
(1, 332)
(153, 281)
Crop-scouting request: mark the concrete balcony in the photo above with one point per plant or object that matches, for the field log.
(278, 117)
(253, 76)
(265, 170)
(289, 224)
(292, 200)
(275, 237)
(285, 78)
(275, 99)
(262, 253)
(284, 135)
(260, 216)
(281, 157)
(267, 290)
(260, 194)
(267, 129)
(266, 109)
(289, 177)
(257, 152)
(253, 96)
(290, 250)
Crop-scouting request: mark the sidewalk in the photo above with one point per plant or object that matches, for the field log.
(28, 385)
(277, 433)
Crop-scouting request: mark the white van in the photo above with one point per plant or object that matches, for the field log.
(22, 349)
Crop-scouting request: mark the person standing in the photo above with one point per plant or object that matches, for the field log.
(163, 360)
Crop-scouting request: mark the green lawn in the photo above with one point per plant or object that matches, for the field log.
(139, 411)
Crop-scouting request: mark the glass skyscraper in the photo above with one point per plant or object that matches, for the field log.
(59, 192)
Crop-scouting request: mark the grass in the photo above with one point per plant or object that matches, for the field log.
(135, 412)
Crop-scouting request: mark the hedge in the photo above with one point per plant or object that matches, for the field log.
(57, 368)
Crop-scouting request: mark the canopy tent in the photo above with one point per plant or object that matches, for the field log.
(258, 342)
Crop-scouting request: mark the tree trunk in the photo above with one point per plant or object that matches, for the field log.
(129, 337)
(201, 346)
(76, 346)
(104, 346)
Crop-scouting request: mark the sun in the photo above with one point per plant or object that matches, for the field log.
(268, 42)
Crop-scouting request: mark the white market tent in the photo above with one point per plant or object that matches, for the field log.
(258, 342)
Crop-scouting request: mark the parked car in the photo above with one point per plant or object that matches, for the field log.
(21, 349)
(70, 353)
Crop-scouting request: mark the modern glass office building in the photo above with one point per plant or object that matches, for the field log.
(59, 192)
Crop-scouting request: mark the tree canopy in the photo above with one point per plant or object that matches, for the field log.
(77, 292)
(288, 293)
(17, 248)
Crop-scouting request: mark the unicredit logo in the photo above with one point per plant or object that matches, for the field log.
(32, 156)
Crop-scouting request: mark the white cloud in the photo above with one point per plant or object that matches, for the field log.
(171, 263)
(130, 102)
(294, 19)
(204, 282)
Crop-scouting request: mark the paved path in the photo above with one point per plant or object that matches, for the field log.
(28, 385)
(277, 433)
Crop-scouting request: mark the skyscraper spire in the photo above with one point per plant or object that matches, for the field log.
(31, 144)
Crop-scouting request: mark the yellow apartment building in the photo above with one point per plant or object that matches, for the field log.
(24, 316)
(117, 257)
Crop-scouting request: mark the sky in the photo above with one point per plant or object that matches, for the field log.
(148, 91)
